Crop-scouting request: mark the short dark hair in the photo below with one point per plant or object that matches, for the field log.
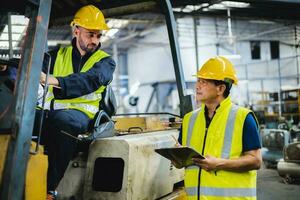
(228, 85)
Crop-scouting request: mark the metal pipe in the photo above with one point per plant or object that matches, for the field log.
(43, 104)
(247, 84)
(196, 43)
(186, 101)
(150, 99)
(117, 71)
(280, 85)
(217, 36)
(10, 35)
(288, 168)
(296, 52)
(229, 26)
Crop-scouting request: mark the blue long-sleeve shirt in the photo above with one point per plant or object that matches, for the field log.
(81, 83)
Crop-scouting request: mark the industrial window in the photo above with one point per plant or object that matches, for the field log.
(255, 49)
(274, 46)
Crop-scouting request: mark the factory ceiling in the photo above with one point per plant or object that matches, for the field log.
(133, 18)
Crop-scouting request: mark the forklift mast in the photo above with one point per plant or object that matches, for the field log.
(19, 118)
(16, 121)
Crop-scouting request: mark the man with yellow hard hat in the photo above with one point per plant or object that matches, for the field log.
(79, 75)
(226, 134)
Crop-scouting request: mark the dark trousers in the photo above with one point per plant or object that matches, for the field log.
(60, 148)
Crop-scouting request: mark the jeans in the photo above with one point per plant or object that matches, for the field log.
(60, 147)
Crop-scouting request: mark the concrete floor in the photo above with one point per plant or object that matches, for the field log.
(271, 187)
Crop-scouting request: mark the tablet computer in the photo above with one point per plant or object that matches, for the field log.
(180, 156)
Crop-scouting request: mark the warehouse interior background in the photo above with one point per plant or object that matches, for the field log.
(261, 38)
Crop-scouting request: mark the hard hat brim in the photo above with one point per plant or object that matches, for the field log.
(235, 82)
(103, 27)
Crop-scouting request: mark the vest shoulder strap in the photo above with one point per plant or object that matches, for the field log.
(194, 114)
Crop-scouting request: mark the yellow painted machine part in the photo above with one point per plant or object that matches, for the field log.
(4, 140)
(152, 123)
(36, 176)
(178, 194)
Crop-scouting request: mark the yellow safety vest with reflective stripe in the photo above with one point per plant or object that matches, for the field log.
(223, 140)
(89, 104)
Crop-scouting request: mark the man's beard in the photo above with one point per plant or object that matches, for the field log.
(89, 50)
(86, 47)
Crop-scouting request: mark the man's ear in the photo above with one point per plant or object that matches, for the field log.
(75, 32)
(221, 89)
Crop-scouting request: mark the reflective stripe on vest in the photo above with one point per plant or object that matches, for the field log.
(89, 104)
(84, 106)
(222, 192)
(191, 125)
(228, 130)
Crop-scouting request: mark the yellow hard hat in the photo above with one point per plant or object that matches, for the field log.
(90, 17)
(218, 68)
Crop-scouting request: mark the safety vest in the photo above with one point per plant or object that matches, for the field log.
(223, 140)
(89, 104)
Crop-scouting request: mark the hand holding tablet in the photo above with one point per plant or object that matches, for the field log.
(180, 156)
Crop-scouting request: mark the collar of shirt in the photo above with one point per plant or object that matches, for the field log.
(207, 118)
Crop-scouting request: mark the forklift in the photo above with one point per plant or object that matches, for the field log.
(122, 167)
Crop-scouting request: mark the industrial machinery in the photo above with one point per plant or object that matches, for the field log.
(273, 142)
(121, 167)
(289, 167)
(281, 150)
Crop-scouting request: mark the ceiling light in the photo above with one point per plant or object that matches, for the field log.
(191, 8)
(177, 9)
(228, 4)
(204, 5)
(187, 9)
(218, 6)
(115, 25)
(194, 7)
(111, 32)
(235, 4)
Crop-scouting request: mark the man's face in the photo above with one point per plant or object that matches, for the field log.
(87, 39)
(206, 91)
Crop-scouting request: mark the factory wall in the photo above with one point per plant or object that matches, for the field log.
(150, 60)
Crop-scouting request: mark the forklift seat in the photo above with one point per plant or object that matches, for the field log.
(101, 126)
(108, 102)
(107, 108)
